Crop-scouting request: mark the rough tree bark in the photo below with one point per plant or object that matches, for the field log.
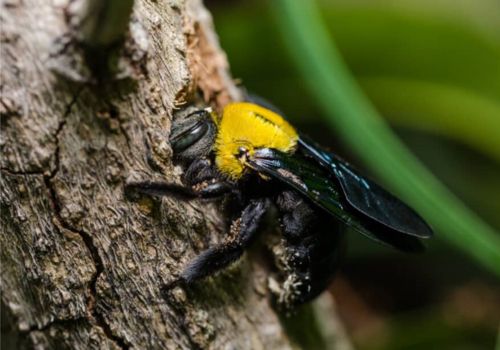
(82, 265)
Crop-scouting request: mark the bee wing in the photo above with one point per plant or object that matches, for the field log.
(367, 197)
(317, 183)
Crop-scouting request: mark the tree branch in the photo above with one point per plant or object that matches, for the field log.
(82, 265)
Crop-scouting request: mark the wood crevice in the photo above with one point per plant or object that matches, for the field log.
(94, 316)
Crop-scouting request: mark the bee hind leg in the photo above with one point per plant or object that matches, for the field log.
(218, 257)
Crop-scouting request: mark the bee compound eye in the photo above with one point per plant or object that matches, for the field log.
(190, 136)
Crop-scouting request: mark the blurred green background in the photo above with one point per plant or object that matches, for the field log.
(432, 70)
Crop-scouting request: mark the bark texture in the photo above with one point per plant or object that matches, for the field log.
(82, 265)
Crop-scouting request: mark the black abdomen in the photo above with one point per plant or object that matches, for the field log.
(312, 248)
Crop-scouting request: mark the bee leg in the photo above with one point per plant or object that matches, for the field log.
(199, 170)
(200, 176)
(203, 177)
(158, 188)
(218, 257)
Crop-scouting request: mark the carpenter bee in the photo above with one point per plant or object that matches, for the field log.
(255, 159)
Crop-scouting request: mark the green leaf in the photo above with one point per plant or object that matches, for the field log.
(354, 118)
(440, 109)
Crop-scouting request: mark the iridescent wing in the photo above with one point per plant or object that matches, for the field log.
(308, 176)
(367, 197)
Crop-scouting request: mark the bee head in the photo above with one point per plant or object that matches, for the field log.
(193, 134)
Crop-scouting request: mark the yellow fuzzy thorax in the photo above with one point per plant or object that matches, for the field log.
(250, 126)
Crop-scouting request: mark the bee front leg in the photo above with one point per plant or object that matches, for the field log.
(200, 177)
(155, 188)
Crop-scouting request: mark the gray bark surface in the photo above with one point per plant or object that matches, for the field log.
(82, 265)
